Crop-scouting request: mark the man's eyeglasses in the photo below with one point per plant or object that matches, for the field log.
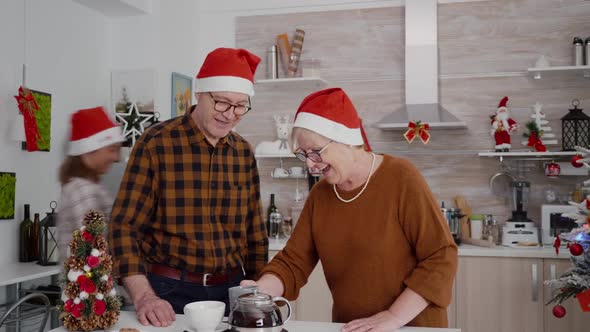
(223, 106)
(314, 155)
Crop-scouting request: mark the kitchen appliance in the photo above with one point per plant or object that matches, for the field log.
(422, 100)
(520, 230)
(258, 312)
(553, 222)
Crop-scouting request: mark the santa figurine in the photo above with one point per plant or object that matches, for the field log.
(502, 126)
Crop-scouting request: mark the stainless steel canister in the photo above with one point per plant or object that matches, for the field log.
(578, 51)
(272, 63)
(587, 52)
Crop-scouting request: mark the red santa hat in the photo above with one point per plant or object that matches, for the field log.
(228, 69)
(92, 129)
(330, 113)
(502, 105)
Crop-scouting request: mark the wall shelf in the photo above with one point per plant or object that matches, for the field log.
(293, 82)
(290, 176)
(539, 73)
(274, 155)
(528, 155)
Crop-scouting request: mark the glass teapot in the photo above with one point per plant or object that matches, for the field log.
(258, 310)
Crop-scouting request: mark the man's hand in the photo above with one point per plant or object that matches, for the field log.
(383, 321)
(149, 307)
(153, 310)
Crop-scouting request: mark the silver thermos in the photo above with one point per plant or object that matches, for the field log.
(272, 63)
(587, 51)
(578, 51)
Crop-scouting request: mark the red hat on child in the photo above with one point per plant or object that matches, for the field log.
(92, 129)
(331, 113)
(228, 69)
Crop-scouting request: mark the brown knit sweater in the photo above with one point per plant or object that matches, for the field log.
(391, 237)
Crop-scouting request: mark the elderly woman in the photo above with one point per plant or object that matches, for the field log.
(387, 253)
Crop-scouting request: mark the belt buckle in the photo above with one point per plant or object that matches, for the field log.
(205, 275)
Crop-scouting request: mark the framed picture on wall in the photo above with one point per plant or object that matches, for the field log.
(7, 195)
(181, 96)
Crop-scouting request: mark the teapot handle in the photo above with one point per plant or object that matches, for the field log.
(279, 299)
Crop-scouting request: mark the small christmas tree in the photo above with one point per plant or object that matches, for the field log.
(89, 300)
(575, 282)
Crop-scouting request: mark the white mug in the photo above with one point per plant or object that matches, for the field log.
(280, 172)
(296, 170)
(204, 316)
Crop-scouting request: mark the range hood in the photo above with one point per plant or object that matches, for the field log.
(421, 78)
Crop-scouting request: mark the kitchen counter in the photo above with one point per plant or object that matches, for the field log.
(129, 320)
(471, 250)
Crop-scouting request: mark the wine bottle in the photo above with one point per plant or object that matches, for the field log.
(271, 208)
(26, 233)
(34, 243)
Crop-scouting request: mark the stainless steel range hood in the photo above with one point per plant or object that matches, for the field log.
(421, 78)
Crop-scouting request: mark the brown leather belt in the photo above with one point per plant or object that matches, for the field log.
(205, 279)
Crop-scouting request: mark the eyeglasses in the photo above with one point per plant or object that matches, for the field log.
(223, 106)
(314, 155)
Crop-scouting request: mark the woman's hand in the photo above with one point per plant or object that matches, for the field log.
(268, 284)
(383, 321)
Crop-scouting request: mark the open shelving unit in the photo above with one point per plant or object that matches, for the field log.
(545, 72)
(274, 155)
(293, 82)
(531, 155)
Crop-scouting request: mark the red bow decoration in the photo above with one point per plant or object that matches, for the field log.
(535, 141)
(417, 129)
(27, 106)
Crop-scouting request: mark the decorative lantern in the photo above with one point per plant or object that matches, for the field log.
(48, 238)
(575, 128)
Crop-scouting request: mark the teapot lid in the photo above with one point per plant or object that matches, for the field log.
(255, 298)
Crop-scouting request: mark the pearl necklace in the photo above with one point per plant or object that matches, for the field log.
(364, 187)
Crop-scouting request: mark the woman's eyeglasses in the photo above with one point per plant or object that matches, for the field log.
(314, 155)
(223, 106)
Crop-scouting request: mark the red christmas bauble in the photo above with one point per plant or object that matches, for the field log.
(559, 311)
(576, 249)
(576, 158)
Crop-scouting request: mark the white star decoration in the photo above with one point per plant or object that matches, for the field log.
(134, 129)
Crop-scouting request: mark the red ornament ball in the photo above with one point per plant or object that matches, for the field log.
(559, 311)
(576, 249)
(576, 158)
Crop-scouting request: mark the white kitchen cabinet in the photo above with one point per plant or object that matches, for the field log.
(294, 315)
(575, 319)
(498, 294)
(452, 309)
(315, 300)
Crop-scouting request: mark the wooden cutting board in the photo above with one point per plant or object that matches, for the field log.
(461, 203)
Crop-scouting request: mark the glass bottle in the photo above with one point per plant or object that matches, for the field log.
(287, 226)
(25, 236)
(34, 243)
(276, 222)
(271, 208)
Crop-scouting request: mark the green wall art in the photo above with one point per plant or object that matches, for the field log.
(43, 117)
(7, 195)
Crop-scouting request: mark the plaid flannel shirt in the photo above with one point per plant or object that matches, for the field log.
(188, 205)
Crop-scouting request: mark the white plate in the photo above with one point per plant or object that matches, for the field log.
(220, 328)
